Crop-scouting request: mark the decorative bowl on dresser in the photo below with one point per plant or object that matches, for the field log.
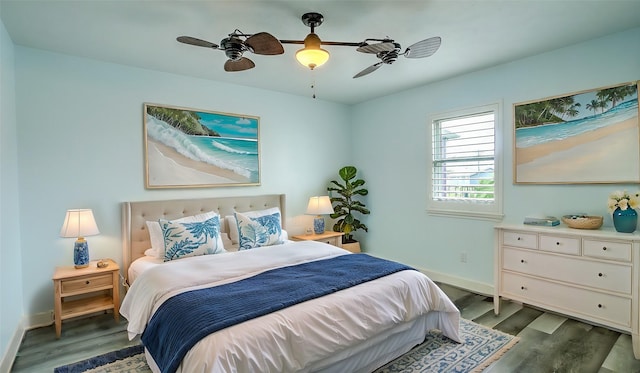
(582, 221)
(590, 275)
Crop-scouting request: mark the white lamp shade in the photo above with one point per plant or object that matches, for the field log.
(79, 223)
(312, 55)
(319, 205)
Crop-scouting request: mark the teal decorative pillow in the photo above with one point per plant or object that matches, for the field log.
(192, 236)
(259, 228)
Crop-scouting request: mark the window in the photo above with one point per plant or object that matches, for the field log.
(464, 177)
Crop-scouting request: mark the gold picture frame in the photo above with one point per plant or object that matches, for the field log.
(193, 148)
(587, 137)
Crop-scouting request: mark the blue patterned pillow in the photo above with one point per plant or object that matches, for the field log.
(259, 228)
(192, 236)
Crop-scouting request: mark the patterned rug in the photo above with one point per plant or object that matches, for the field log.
(482, 346)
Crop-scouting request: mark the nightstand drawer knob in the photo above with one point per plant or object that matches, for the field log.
(88, 282)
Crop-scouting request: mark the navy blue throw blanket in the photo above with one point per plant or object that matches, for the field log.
(183, 320)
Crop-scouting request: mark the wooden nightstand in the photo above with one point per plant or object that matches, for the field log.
(332, 238)
(86, 290)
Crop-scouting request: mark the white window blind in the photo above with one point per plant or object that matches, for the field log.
(463, 162)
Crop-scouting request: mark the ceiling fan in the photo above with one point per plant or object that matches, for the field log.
(236, 44)
(312, 55)
(387, 50)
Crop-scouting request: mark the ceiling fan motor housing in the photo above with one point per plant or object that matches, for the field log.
(312, 20)
(233, 47)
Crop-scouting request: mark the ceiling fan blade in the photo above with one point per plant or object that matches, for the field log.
(368, 70)
(240, 65)
(376, 48)
(264, 43)
(424, 48)
(197, 42)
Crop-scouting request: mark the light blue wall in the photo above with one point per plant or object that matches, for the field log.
(390, 145)
(80, 144)
(11, 306)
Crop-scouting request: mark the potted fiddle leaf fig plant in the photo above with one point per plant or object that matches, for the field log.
(345, 204)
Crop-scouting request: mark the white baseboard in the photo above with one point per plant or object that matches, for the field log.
(39, 320)
(463, 283)
(12, 349)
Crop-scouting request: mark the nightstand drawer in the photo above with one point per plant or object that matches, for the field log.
(88, 283)
(332, 241)
(331, 238)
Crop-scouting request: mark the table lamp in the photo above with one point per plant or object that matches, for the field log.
(319, 205)
(79, 223)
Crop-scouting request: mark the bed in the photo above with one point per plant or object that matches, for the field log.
(351, 328)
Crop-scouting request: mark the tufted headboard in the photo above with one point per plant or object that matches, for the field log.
(135, 236)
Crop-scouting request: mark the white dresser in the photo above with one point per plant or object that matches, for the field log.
(587, 274)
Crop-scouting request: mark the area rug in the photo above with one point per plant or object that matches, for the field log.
(482, 346)
(438, 354)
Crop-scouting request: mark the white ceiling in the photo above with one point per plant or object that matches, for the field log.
(475, 34)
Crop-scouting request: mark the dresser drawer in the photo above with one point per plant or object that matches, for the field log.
(596, 306)
(607, 250)
(605, 276)
(564, 245)
(519, 239)
(86, 284)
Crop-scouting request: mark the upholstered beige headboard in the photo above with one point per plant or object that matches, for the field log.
(135, 236)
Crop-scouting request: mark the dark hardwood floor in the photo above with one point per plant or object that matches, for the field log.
(548, 342)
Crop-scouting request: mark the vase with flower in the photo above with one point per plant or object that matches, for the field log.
(623, 207)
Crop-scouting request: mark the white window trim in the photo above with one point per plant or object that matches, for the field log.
(461, 209)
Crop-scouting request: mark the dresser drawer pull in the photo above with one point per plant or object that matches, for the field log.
(521, 260)
(523, 288)
(557, 243)
(599, 305)
(600, 274)
(519, 238)
(604, 248)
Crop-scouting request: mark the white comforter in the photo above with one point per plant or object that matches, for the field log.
(303, 337)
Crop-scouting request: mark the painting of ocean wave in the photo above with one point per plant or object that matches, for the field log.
(579, 138)
(195, 148)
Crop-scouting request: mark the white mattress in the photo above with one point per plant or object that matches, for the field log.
(338, 330)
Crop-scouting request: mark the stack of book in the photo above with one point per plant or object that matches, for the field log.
(548, 221)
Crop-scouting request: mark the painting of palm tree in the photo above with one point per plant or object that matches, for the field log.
(578, 138)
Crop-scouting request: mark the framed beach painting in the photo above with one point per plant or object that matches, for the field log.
(585, 137)
(189, 148)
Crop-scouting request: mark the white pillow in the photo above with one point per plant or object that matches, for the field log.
(192, 236)
(228, 245)
(157, 239)
(233, 228)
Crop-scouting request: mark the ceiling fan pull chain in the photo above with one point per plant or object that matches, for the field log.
(313, 83)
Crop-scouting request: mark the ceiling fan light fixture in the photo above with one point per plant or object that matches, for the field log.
(312, 55)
